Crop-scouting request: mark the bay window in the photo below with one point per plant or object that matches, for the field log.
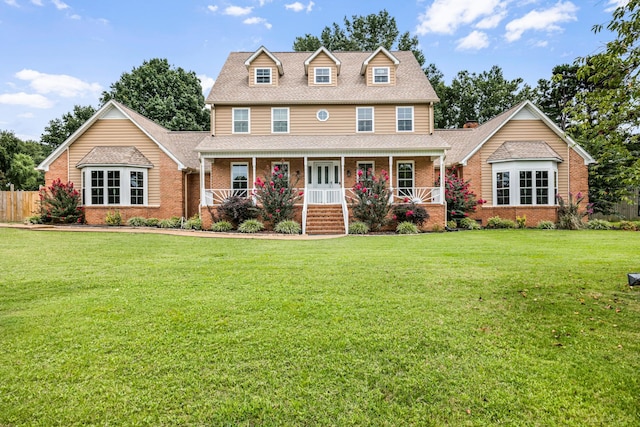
(524, 183)
(114, 186)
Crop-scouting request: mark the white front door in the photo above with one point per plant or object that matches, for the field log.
(325, 183)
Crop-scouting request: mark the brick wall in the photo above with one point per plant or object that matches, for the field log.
(58, 169)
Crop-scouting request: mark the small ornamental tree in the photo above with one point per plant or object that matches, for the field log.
(277, 196)
(461, 201)
(60, 203)
(371, 202)
(569, 212)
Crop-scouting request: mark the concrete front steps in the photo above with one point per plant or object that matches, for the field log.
(325, 219)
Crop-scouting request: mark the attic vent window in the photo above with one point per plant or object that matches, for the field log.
(263, 76)
(322, 115)
(381, 75)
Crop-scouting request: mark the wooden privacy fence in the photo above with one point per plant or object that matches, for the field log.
(16, 206)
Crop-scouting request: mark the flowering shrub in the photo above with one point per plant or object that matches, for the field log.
(460, 199)
(277, 196)
(371, 202)
(569, 215)
(236, 210)
(60, 203)
(408, 211)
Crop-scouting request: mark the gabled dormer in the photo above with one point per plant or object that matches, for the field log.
(379, 69)
(264, 68)
(322, 68)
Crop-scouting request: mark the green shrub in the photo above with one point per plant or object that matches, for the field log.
(288, 226)
(358, 227)
(599, 224)
(193, 223)
(627, 225)
(521, 221)
(437, 228)
(570, 214)
(237, 209)
(497, 222)
(469, 224)
(407, 227)
(173, 222)
(222, 226)
(35, 219)
(136, 221)
(408, 211)
(251, 226)
(546, 225)
(453, 224)
(113, 218)
(151, 222)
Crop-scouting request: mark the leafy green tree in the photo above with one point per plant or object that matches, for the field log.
(18, 160)
(172, 97)
(23, 173)
(608, 115)
(60, 129)
(362, 33)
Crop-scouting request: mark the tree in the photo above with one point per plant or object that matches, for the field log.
(60, 129)
(172, 97)
(436, 78)
(608, 115)
(362, 33)
(18, 160)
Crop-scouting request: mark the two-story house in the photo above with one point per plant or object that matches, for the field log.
(321, 116)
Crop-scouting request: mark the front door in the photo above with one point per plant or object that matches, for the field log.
(325, 183)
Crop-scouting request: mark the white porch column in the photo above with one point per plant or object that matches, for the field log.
(391, 178)
(203, 200)
(442, 179)
(306, 178)
(253, 174)
(342, 173)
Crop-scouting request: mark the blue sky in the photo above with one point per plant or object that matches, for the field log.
(58, 53)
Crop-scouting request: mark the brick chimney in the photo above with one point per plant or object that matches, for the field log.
(470, 124)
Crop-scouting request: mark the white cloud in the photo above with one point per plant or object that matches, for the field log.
(60, 5)
(476, 40)
(75, 17)
(59, 84)
(37, 2)
(540, 43)
(256, 20)
(206, 82)
(237, 10)
(26, 115)
(212, 8)
(12, 3)
(445, 16)
(542, 20)
(26, 99)
(263, 2)
(491, 21)
(296, 7)
(614, 4)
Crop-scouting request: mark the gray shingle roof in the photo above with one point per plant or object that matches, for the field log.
(231, 86)
(523, 150)
(125, 156)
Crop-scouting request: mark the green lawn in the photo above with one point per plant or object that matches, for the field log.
(469, 328)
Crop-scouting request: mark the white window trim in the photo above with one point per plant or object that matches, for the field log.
(514, 169)
(233, 120)
(255, 76)
(125, 185)
(413, 125)
(315, 75)
(231, 174)
(373, 120)
(388, 74)
(274, 164)
(413, 175)
(364, 162)
(273, 121)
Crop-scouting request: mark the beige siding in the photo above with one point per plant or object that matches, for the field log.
(263, 61)
(322, 60)
(117, 132)
(381, 60)
(342, 119)
(523, 130)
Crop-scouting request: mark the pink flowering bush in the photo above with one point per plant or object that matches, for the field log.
(409, 212)
(569, 213)
(60, 203)
(461, 201)
(277, 196)
(371, 202)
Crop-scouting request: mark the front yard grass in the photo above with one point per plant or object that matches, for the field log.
(511, 327)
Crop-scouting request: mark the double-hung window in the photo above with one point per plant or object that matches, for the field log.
(503, 187)
(263, 76)
(241, 118)
(280, 120)
(405, 179)
(365, 119)
(322, 75)
(404, 116)
(118, 186)
(381, 75)
(240, 179)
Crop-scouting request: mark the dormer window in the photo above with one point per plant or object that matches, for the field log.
(263, 76)
(322, 75)
(381, 75)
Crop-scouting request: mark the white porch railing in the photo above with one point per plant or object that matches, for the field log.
(325, 196)
(217, 196)
(417, 195)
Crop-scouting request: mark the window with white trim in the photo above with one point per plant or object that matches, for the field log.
(263, 76)
(405, 179)
(241, 118)
(322, 75)
(380, 75)
(524, 183)
(114, 186)
(365, 119)
(280, 120)
(503, 187)
(280, 168)
(404, 119)
(240, 179)
(364, 169)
